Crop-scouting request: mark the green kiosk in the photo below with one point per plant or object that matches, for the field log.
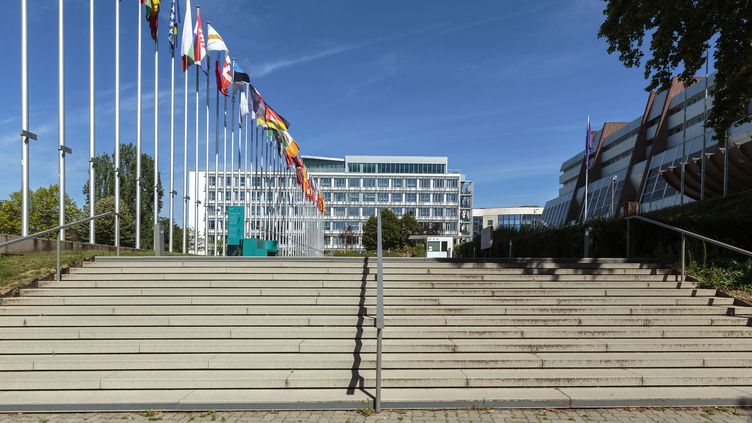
(237, 245)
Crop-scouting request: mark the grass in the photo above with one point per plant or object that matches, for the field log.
(19, 270)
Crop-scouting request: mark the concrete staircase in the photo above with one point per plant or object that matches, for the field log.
(240, 333)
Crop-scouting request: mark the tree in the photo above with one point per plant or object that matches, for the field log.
(348, 237)
(104, 186)
(105, 227)
(681, 32)
(391, 235)
(408, 226)
(43, 213)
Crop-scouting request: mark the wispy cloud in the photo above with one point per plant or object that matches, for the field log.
(269, 67)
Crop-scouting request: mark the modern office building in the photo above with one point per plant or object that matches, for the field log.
(636, 166)
(354, 188)
(506, 217)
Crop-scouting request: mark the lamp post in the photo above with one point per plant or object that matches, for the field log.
(613, 196)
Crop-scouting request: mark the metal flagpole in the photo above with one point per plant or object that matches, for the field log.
(684, 146)
(172, 141)
(186, 198)
(245, 175)
(138, 129)
(92, 147)
(26, 136)
(61, 115)
(196, 201)
(216, 172)
(206, 163)
(117, 126)
(587, 174)
(704, 130)
(257, 177)
(232, 148)
(155, 223)
(224, 180)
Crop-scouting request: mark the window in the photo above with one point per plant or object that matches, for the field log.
(340, 196)
(339, 182)
(425, 197)
(410, 211)
(328, 196)
(369, 211)
(411, 197)
(451, 198)
(383, 197)
(353, 211)
(451, 183)
(438, 212)
(397, 183)
(326, 182)
(353, 182)
(397, 211)
(369, 196)
(451, 212)
(425, 183)
(369, 183)
(242, 181)
(354, 197)
(212, 224)
(338, 211)
(212, 181)
(383, 183)
(438, 183)
(397, 197)
(438, 198)
(212, 196)
(327, 225)
(424, 212)
(411, 183)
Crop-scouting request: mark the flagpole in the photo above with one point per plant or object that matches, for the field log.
(92, 147)
(117, 126)
(257, 177)
(206, 163)
(216, 171)
(684, 147)
(25, 119)
(138, 129)
(196, 201)
(155, 237)
(245, 175)
(232, 149)
(61, 115)
(172, 139)
(186, 198)
(704, 129)
(224, 180)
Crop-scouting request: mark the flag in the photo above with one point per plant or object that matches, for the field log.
(243, 103)
(588, 143)
(226, 80)
(174, 22)
(186, 44)
(152, 15)
(239, 75)
(271, 119)
(214, 41)
(292, 147)
(199, 48)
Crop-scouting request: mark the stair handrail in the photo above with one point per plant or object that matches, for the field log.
(379, 308)
(684, 234)
(58, 229)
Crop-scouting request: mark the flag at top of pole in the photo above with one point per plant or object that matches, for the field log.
(152, 15)
(186, 44)
(588, 143)
(214, 42)
(172, 36)
(199, 48)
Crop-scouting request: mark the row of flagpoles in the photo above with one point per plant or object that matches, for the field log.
(279, 216)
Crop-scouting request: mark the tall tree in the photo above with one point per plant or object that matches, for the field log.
(391, 233)
(43, 213)
(104, 187)
(409, 226)
(681, 32)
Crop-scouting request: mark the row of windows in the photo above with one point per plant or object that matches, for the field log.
(690, 101)
(616, 158)
(678, 128)
(620, 140)
(386, 183)
(394, 197)
(451, 212)
(516, 221)
(396, 168)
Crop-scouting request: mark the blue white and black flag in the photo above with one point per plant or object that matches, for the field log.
(174, 22)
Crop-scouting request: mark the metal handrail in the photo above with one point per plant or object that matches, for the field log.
(58, 229)
(684, 234)
(379, 308)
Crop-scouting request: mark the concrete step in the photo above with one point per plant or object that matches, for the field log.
(327, 332)
(356, 360)
(368, 301)
(352, 321)
(391, 378)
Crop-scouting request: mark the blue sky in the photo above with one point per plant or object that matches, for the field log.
(503, 88)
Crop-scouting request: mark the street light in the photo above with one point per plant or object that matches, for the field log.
(613, 195)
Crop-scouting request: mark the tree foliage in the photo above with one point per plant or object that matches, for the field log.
(104, 187)
(43, 213)
(394, 231)
(681, 32)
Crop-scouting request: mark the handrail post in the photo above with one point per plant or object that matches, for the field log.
(379, 308)
(57, 256)
(683, 257)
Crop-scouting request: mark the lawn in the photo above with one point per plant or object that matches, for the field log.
(20, 270)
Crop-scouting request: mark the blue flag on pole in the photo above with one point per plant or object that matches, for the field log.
(588, 143)
(174, 22)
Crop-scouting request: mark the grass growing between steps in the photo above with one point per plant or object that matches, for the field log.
(19, 270)
(731, 276)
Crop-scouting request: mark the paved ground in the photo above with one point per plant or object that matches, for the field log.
(674, 415)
